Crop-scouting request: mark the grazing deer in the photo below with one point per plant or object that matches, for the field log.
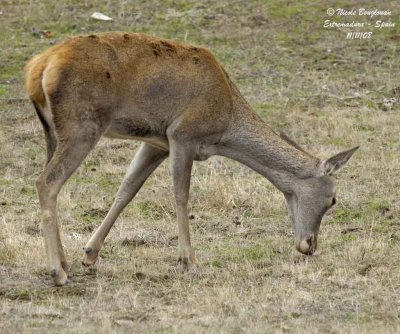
(178, 100)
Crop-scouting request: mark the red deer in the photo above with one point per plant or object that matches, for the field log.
(178, 100)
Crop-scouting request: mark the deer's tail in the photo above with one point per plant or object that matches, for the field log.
(33, 82)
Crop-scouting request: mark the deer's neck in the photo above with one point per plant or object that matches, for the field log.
(252, 142)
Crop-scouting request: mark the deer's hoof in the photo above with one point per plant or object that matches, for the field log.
(185, 263)
(59, 276)
(90, 256)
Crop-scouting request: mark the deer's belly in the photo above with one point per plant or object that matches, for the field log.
(126, 129)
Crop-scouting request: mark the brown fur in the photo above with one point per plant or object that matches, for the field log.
(180, 102)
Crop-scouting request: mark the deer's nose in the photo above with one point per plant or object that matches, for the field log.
(307, 245)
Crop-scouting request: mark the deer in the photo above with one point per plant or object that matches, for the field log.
(179, 102)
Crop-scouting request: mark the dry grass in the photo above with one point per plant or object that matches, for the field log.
(325, 91)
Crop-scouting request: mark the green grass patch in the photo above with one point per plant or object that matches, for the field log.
(150, 209)
(7, 254)
(29, 190)
(253, 253)
(3, 90)
(336, 141)
(33, 293)
(346, 215)
(88, 220)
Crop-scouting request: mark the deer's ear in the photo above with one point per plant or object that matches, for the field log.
(334, 163)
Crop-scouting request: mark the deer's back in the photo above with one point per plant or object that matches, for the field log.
(141, 83)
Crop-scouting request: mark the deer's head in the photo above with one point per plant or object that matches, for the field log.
(310, 200)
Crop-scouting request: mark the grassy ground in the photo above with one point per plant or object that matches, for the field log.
(323, 90)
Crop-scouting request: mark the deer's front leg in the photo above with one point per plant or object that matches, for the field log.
(181, 165)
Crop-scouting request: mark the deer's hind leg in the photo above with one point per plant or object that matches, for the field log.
(76, 138)
(146, 160)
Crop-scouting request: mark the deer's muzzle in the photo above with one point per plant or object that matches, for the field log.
(307, 245)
